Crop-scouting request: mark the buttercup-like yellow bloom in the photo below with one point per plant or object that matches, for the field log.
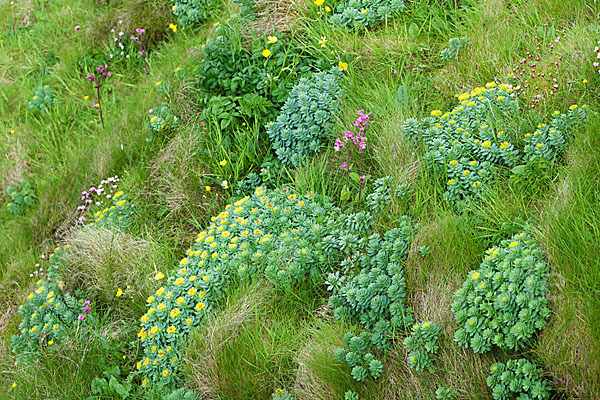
(266, 53)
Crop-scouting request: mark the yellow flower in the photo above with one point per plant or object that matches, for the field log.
(464, 96)
(188, 321)
(179, 281)
(14, 384)
(486, 144)
(50, 343)
(476, 184)
(475, 276)
(86, 97)
(223, 163)
(165, 373)
(161, 306)
(201, 295)
(300, 203)
(272, 39)
(171, 329)
(266, 53)
(323, 41)
(363, 12)
(121, 203)
(513, 244)
(327, 8)
(436, 113)
(153, 119)
(451, 182)
(584, 81)
(173, 27)
(504, 145)
(574, 106)
(500, 98)
(490, 84)
(216, 24)
(159, 276)
(206, 278)
(466, 172)
(343, 66)
(174, 313)
(200, 306)
(119, 292)
(319, 2)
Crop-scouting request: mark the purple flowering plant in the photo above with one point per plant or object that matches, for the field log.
(102, 74)
(139, 39)
(351, 143)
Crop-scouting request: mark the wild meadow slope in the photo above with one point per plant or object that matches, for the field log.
(359, 199)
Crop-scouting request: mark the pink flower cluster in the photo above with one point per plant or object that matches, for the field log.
(596, 63)
(357, 139)
(105, 189)
(86, 310)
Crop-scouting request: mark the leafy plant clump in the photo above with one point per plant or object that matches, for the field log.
(194, 12)
(504, 302)
(422, 344)
(454, 46)
(358, 357)
(359, 14)
(43, 99)
(307, 118)
(20, 200)
(244, 86)
(443, 393)
(466, 145)
(517, 379)
(161, 119)
(372, 290)
(275, 235)
(49, 315)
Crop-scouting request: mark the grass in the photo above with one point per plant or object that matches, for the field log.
(262, 339)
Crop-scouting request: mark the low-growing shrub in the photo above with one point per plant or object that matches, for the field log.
(194, 12)
(517, 379)
(358, 357)
(372, 290)
(272, 234)
(20, 200)
(454, 46)
(43, 99)
(161, 119)
(358, 14)
(504, 302)
(466, 145)
(422, 344)
(49, 315)
(307, 118)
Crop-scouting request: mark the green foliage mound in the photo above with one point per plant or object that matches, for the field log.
(275, 235)
(504, 302)
(43, 99)
(194, 12)
(307, 118)
(465, 146)
(359, 14)
(517, 379)
(20, 200)
(422, 344)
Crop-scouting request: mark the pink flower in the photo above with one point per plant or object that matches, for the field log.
(394, 72)
(339, 144)
(344, 165)
(77, 27)
(362, 177)
(81, 317)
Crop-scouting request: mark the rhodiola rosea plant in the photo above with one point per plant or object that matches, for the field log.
(504, 302)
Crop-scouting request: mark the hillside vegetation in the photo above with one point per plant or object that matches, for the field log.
(318, 199)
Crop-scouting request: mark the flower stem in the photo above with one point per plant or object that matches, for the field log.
(99, 106)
